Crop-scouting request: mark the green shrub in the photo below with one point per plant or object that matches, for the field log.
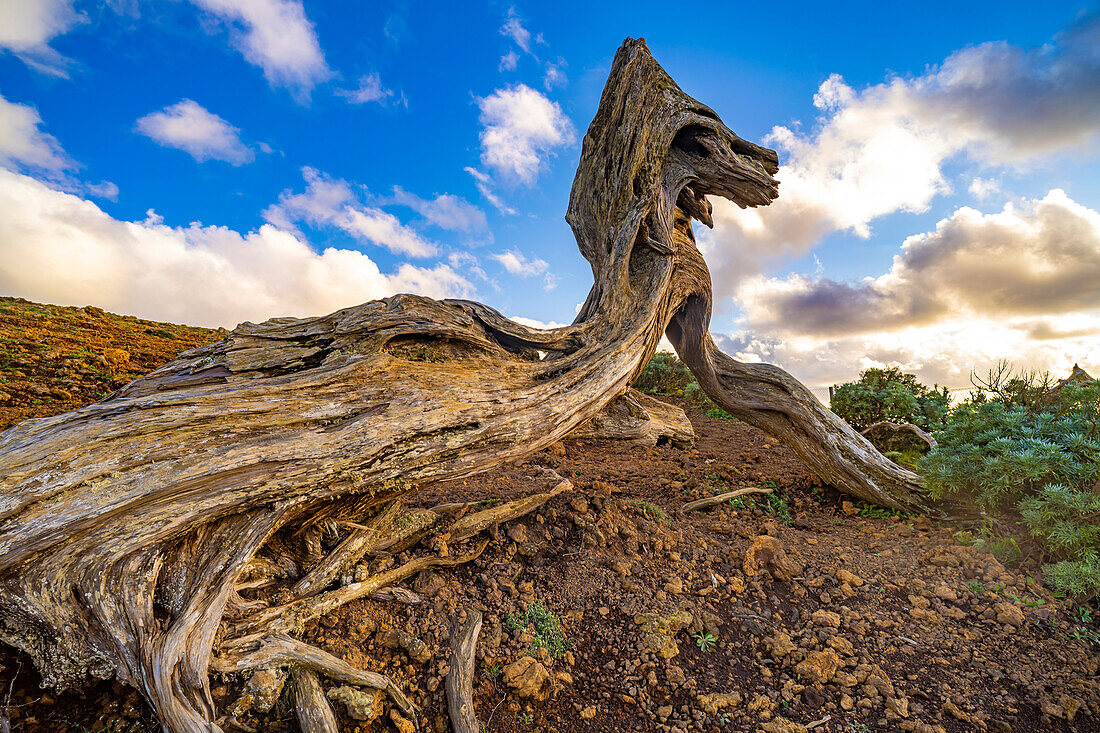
(889, 395)
(665, 374)
(1023, 444)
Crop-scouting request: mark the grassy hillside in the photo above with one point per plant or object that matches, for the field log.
(55, 358)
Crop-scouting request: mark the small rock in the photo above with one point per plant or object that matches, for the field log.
(945, 592)
(813, 697)
(925, 615)
(116, 357)
(919, 601)
(767, 555)
(403, 724)
(715, 701)
(849, 508)
(1008, 613)
(843, 576)
(660, 628)
(818, 666)
(780, 645)
(782, 725)
(1070, 705)
(842, 645)
(953, 710)
(529, 678)
(261, 692)
(588, 713)
(363, 705)
(826, 618)
(898, 705)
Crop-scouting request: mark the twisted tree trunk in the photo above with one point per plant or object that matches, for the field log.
(132, 530)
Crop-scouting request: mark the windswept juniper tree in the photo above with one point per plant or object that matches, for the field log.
(277, 457)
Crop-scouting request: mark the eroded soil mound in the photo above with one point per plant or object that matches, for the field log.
(608, 609)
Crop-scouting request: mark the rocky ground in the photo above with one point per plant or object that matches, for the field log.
(609, 609)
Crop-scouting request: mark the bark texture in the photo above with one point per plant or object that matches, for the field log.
(460, 680)
(134, 531)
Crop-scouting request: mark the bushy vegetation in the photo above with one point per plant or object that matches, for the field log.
(890, 395)
(1026, 446)
(666, 375)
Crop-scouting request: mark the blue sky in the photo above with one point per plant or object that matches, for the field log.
(211, 161)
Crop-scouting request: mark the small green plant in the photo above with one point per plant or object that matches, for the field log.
(873, 511)
(705, 640)
(525, 718)
(856, 726)
(1081, 629)
(976, 588)
(547, 631)
(741, 502)
(719, 412)
(1004, 547)
(650, 509)
(776, 505)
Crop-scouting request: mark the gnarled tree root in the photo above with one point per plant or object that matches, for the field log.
(312, 708)
(292, 617)
(460, 679)
(280, 650)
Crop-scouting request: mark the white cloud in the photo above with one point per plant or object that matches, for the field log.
(276, 36)
(484, 185)
(984, 188)
(190, 127)
(445, 211)
(508, 61)
(58, 248)
(555, 75)
(28, 27)
(521, 129)
(330, 202)
(882, 149)
(370, 90)
(535, 323)
(513, 28)
(102, 190)
(517, 264)
(1019, 284)
(468, 262)
(22, 143)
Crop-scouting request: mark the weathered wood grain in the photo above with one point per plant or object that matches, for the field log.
(460, 679)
